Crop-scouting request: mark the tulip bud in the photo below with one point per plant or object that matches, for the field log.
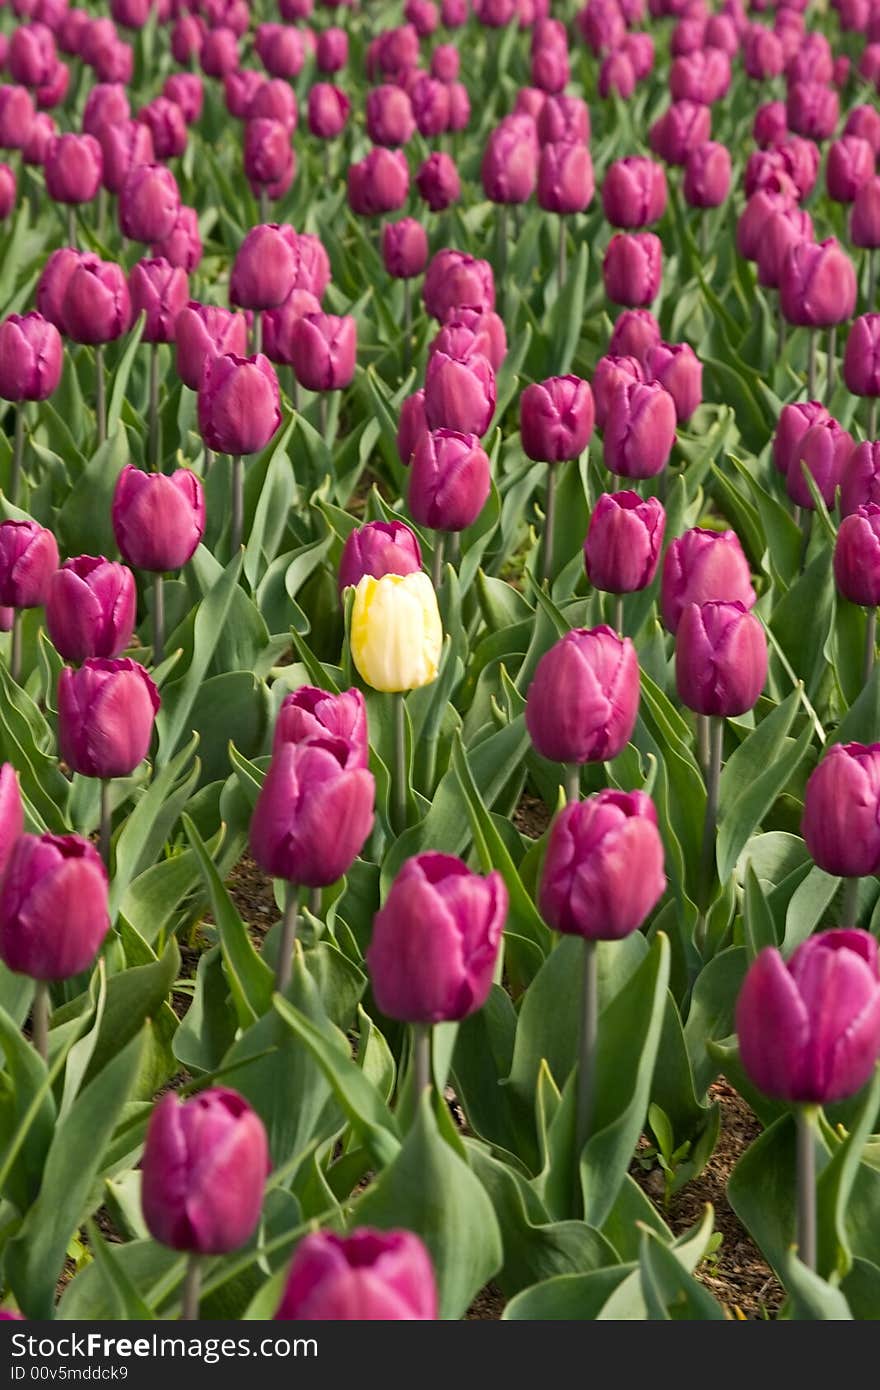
(824, 449)
(379, 183)
(239, 403)
(389, 114)
(857, 556)
(404, 248)
(378, 548)
(794, 421)
(53, 908)
(809, 1030)
(450, 480)
(460, 392)
(684, 126)
(219, 52)
(149, 203)
(365, 1276)
(455, 280)
(73, 168)
(861, 362)
(31, 355)
(161, 291)
(485, 332)
(323, 350)
(584, 697)
(329, 109)
(331, 53)
(182, 248)
(264, 269)
(91, 608)
(106, 711)
(280, 49)
(8, 188)
(783, 229)
(205, 331)
(187, 91)
(617, 75)
(53, 282)
(703, 76)
(702, 566)
(435, 941)
(510, 163)
(850, 164)
(16, 117)
(860, 478)
(396, 632)
(865, 220)
(639, 430)
(841, 822)
(707, 175)
(43, 132)
(639, 48)
(720, 658)
(676, 367)
(124, 146)
(28, 559)
(410, 425)
(96, 307)
(812, 109)
(430, 106)
(239, 89)
(556, 419)
(11, 812)
(204, 1171)
(634, 192)
(31, 55)
(864, 121)
(632, 268)
(309, 786)
(635, 332)
(564, 120)
(817, 284)
(550, 69)
(609, 373)
(445, 62)
(769, 126)
(603, 870)
(308, 714)
(158, 518)
(622, 547)
(565, 178)
(167, 127)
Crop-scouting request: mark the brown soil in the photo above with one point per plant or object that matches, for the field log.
(531, 816)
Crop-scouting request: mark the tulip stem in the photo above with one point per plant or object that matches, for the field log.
(192, 1288)
(264, 204)
(710, 825)
(870, 645)
(872, 280)
(421, 1041)
(618, 613)
(71, 225)
(811, 366)
(102, 213)
(703, 743)
(40, 1019)
(549, 525)
(849, 907)
(806, 1185)
(322, 414)
(294, 391)
(572, 781)
(154, 407)
(106, 823)
(832, 361)
(407, 323)
(284, 962)
(437, 559)
(237, 503)
(100, 394)
(562, 249)
(399, 769)
(158, 618)
(15, 654)
(17, 454)
(208, 462)
(586, 1091)
(258, 331)
(316, 899)
(780, 331)
(872, 418)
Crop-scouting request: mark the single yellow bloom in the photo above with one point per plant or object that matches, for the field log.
(396, 632)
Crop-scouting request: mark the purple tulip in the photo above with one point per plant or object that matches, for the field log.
(782, 229)
(308, 713)
(562, 118)
(707, 175)
(510, 162)
(865, 220)
(106, 105)
(701, 566)
(817, 284)
(366, 1276)
(265, 268)
(720, 658)
(861, 362)
(149, 203)
(204, 1169)
(323, 349)
(812, 109)
(8, 189)
(239, 403)
(106, 712)
(167, 127)
(682, 127)
(609, 373)
(379, 183)
(11, 812)
(308, 787)
(639, 430)
(53, 907)
(438, 182)
(841, 821)
(584, 697)
(850, 163)
(455, 280)
(794, 421)
(28, 559)
(161, 291)
(158, 519)
(565, 178)
(485, 330)
(328, 110)
(73, 168)
(857, 556)
(556, 418)
(435, 941)
(16, 117)
(410, 426)
(824, 449)
(182, 248)
(187, 91)
(622, 547)
(676, 367)
(460, 393)
(91, 608)
(331, 52)
(53, 282)
(378, 548)
(635, 332)
(125, 146)
(634, 192)
(864, 121)
(603, 870)
(809, 1029)
(205, 331)
(267, 152)
(632, 268)
(860, 478)
(450, 479)
(31, 355)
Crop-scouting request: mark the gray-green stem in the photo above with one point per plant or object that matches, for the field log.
(40, 1019)
(872, 418)
(192, 1288)
(258, 331)
(811, 365)
(158, 618)
(71, 225)
(294, 391)
(870, 645)
(284, 962)
(398, 773)
(586, 1091)
(710, 825)
(872, 280)
(17, 455)
(315, 901)
(618, 613)
(407, 324)
(703, 743)
(264, 204)
(15, 654)
(561, 262)
(832, 362)
(806, 1185)
(437, 559)
(208, 463)
(100, 393)
(549, 524)
(154, 407)
(849, 907)
(323, 414)
(237, 502)
(421, 1043)
(572, 781)
(106, 823)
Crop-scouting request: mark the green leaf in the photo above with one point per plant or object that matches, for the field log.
(761, 1190)
(125, 1298)
(628, 1300)
(122, 373)
(669, 1290)
(29, 1106)
(568, 1297)
(834, 1188)
(809, 1296)
(712, 1008)
(755, 799)
(150, 824)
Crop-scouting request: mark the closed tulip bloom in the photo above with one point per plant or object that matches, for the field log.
(378, 548)
(365, 1276)
(308, 787)
(28, 559)
(753, 219)
(602, 25)
(43, 131)
(701, 566)
(794, 421)
(91, 608)
(323, 351)
(550, 68)
(811, 61)
(688, 36)
(707, 175)
(16, 117)
(312, 264)
(396, 632)
(124, 146)
(204, 1171)
(438, 182)
(389, 115)
(809, 1029)
(445, 62)
(449, 480)
(617, 75)
(721, 33)
(460, 393)
(632, 268)
(187, 91)
(31, 55)
(149, 203)
(459, 107)
(106, 712)
(455, 280)
(684, 126)
(817, 284)
(167, 127)
(278, 325)
(565, 178)
(280, 49)
(485, 332)
(851, 162)
(603, 870)
(308, 713)
(204, 331)
(841, 821)
(635, 332)
(622, 547)
(584, 697)
(158, 518)
(703, 76)
(782, 230)
(331, 53)
(430, 105)
(53, 908)
(435, 941)
(404, 248)
(53, 282)
(639, 48)
(264, 269)
(864, 121)
(73, 168)
(182, 248)
(328, 110)
(869, 63)
(861, 362)
(720, 658)
(609, 373)
(11, 812)
(218, 54)
(556, 418)
(239, 403)
(131, 14)
(634, 192)
(769, 126)
(106, 105)
(860, 478)
(865, 219)
(239, 89)
(812, 109)
(510, 163)
(801, 159)
(274, 100)
(8, 189)
(31, 355)
(679, 371)
(769, 170)
(379, 183)
(410, 425)
(564, 119)
(161, 291)
(857, 556)
(96, 306)
(824, 449)
(639, 430)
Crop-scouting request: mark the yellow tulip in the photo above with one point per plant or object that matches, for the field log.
(396, 632)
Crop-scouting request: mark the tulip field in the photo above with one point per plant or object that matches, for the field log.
(439, 706)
